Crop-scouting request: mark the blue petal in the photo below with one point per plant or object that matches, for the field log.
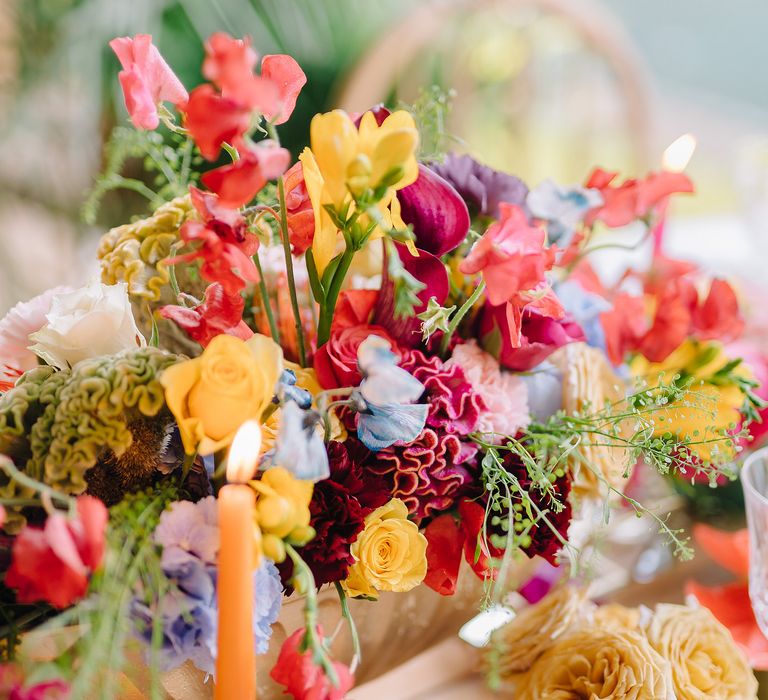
(390, 423)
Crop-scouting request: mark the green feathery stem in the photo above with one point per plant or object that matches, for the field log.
(265, 301)
(459, 315)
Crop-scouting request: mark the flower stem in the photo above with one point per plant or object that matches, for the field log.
(289, 271)
(358, 654)
(459, 315)
(20, 478)
(329, 305)
(265, 301)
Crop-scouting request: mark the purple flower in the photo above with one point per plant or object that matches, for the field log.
(481, 187)
(384, 400)
(192, 527)
(563, 208)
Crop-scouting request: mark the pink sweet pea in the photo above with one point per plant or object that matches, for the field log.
(286, 75)
(213, 119)
(146, 79)
(237, 183)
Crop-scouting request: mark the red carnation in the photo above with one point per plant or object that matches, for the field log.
(303, 678)
(54, 563)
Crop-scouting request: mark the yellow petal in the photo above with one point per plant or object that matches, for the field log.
(177, 381)
(395, 151)
(324, 240)
(334, 141)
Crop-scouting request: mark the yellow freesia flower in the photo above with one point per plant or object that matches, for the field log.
(344, 162)
(709, 409)
(211, 396)
(282, 511)
(390, 553)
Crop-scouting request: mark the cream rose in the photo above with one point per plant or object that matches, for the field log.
(706, 663)
(598, 663)
(390, 553)
(613, 616)
(520, 642)
(88, 322)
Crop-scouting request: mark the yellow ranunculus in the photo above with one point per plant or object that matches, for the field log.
(211, 396)
(390, 553)
(344, 161)
(282, 511)
(709, 409)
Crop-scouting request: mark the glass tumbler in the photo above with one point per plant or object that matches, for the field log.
(754, 479)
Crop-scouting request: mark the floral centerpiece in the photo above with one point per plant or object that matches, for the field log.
(358, 369)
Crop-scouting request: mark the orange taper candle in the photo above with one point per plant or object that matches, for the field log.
(235, 658)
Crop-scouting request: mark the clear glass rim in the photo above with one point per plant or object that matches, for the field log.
(757, 457)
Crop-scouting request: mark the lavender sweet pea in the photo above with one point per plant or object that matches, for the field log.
(563, 208)
(585, 307)
(300, 448)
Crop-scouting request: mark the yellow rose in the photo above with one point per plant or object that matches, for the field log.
(390, 553)
(598, 663)
(613, 616)
(534, 629)
(211, 396)
(282, 511)
(706, 663)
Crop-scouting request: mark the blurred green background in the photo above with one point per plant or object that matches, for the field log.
(543, 88)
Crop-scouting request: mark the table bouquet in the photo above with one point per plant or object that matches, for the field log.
(360, 369)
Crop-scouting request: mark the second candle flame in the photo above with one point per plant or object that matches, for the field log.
(679, 153)
(243, 457)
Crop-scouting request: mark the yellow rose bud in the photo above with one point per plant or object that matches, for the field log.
(273, 548)
(282, 506)
(390, 553)
(211, 396)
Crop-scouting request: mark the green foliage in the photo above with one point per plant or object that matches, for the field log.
(430, 111)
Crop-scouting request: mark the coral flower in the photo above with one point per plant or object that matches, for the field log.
(146, 79)
(54, 563)
(213, 119)
(301, 217)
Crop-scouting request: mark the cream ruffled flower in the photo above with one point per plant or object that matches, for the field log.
(520, 642)
(589, 383)
(706, 663)
(598, 663)
(505, 394)
(613, 616)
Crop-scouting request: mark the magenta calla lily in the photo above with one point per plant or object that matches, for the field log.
(436, 211)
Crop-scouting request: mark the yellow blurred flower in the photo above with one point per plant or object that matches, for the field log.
(211, 396)
(282, 511)
(709, 409)
(390, 553)
(344, 163)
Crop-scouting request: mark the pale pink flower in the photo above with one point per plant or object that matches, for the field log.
(505, 394)
(23, 319)
(146, 79)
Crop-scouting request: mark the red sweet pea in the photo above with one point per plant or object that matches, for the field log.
(213, 119)
(237, 184)
(54, 563)
(672, 320)
(303, 678)
(223, 244)
(633, 199)
(301, 216)
(718, 317)
(146, 79)
(624, 326)
(219, 313)
(286, 75)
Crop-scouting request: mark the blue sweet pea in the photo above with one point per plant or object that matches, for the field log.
(385, 398)
(299, 447)
(585, 307)
(288, 391)
(545, 391)
(563, 208)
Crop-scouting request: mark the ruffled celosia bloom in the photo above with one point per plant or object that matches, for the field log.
(282, 511)
(212, 395)
(706, 663)
(146, 79)
(303, 678)
(589, 385)
(220, 313)
(598, 664)
(338, 508)
(15, 328)
(54, 563)
(345, 160)
(390, 553)
(534, 629)
(504, 395)
(563, 208)
(88, 322)
(481, 187)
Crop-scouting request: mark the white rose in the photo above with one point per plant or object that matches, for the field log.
(88, 322)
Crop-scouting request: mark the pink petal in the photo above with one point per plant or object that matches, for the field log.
(283, 72)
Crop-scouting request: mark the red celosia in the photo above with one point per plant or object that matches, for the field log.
(300, 215)
(146, 80)
(430, 473)
(219, 313)
(303, 678)
(54, 563)
(335, 362)
(222, 243)
(454, 406)
(286, 75)
(633, 199)
(236, 184)
(213, 119)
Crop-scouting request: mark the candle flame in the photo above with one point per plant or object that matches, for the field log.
(244, 453)
(679, 153)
